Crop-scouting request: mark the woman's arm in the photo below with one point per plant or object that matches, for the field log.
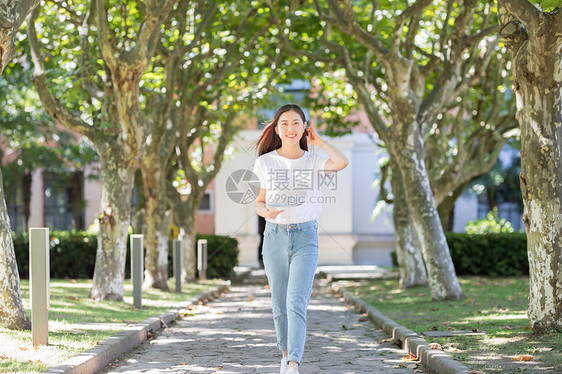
(261, 209)
(337, 160)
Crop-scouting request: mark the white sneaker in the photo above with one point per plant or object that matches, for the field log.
(283, 365)
(292, 369)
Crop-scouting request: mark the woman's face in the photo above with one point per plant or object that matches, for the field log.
(290, 128)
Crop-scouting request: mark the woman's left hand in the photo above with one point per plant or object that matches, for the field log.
(313, 137)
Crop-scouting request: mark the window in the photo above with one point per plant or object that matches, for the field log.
(57, 204)
(206, 205)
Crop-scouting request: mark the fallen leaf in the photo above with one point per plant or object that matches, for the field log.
(410, 357)
(450, 328)
(469, 301)
(23, 349)
(182, 363)
(451, 349)
(266, 287)
(363, 319)
(527, 327)
(452, 345)
(523, 358)
(250, 298)
(220, 368)
(435, 346)
(434, 309)
(507, 327)
(504, 310)
(480, 322)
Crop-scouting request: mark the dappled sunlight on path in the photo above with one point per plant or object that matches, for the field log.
(235, 334)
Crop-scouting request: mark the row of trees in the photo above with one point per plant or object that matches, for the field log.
(150, 82)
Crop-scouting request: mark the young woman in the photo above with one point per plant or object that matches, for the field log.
(289, 199)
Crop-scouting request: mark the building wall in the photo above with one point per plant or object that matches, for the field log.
(348, 230)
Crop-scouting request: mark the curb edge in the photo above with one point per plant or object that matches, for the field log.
(434, 359)
(97, 358)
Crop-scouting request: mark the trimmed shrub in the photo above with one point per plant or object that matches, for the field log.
(73, 255)
(222, 255)
(488, 254)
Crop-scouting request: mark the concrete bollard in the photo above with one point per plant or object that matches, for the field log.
(137, 268)
(39, 279)
(177, 264)
(202, 258)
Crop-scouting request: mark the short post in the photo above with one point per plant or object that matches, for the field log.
(137, 266)
(177, 264)
(202, 258)
(39, 280)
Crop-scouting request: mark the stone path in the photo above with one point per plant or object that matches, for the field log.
(235, 334)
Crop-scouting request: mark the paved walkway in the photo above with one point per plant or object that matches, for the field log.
(235, 334)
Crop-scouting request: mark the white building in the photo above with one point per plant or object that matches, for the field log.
(347, 231)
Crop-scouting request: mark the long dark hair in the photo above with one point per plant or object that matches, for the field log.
(269, 140)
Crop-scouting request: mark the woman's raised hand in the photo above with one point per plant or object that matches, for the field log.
(313, 137)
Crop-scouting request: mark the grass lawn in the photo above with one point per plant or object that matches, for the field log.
(496, 306)
(77, 323)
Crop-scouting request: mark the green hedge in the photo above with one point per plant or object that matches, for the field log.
(73, 255)
(487, 254)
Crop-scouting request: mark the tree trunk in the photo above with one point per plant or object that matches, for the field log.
(407, 148)
(447, 208)
(535, 39)
(117, 179)
(12, 314)
(408, 251)
(187, 234)
(541, 185)
(156, 240)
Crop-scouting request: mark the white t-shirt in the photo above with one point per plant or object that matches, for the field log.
(292, 185)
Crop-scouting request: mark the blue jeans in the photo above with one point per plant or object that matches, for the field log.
(290, 256)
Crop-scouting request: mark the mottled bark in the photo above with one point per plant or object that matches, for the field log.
(117, 179)
(408, 248)
(12, 314)
(535, 38)
(408, 154)
(156, 237)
